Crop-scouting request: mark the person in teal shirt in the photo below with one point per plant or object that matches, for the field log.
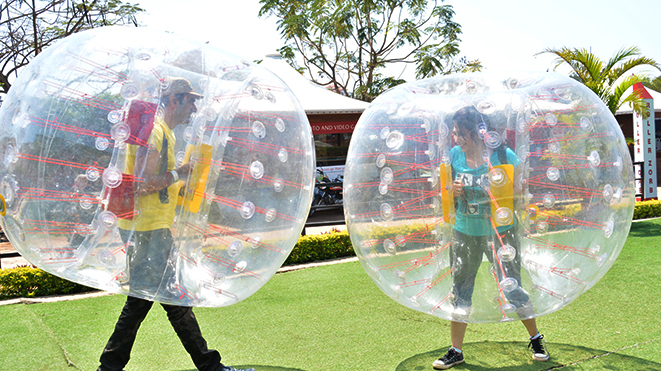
(474, 233)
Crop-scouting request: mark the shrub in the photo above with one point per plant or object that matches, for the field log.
(30, 282)
(401, 230)
(647, 209)
(321, 247)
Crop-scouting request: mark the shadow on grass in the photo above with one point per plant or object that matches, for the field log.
(259, 368)
(515, 356)
(645, 229)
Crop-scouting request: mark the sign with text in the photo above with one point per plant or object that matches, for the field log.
(645, 142)
(333, 127)
(638, 178)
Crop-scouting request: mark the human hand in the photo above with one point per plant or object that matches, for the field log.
(184, 170)
(457, 188)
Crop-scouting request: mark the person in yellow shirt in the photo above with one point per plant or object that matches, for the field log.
(155, 196)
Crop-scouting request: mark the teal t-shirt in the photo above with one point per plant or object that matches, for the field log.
(473, 207)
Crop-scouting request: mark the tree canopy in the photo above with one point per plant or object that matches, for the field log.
(27, 27)
(608, 79)
(347, 44)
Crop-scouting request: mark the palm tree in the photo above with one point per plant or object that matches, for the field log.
(607, 79)
(653, 83)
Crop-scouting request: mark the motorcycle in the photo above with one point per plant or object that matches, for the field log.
(327, 193)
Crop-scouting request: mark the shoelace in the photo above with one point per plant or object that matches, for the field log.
(537, 345)
(451, 355)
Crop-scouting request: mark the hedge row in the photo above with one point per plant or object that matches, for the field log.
(325, 246)
(647, 209)
(30, 282)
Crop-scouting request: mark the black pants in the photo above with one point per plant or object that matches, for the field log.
(147, 265)
(118, 350)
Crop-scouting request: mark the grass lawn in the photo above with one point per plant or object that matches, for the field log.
(334, 318)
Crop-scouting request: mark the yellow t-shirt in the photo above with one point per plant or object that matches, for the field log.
(151, 213)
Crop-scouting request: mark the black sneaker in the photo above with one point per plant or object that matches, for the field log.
(230, 368)
(539, 352)
(451, 358)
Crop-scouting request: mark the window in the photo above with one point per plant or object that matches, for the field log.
(331, 149)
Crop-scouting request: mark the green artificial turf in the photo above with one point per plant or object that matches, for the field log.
(334, 318)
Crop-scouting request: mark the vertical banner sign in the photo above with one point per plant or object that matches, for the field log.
(638, 178)
(645, 146)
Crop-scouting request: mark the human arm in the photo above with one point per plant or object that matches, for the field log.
(147, 161)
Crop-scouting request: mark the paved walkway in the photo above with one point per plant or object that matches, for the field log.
(93, 294)
(6, 247)
(13, 262)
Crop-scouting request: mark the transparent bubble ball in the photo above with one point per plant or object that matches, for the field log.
(532, 221)
(78, 128)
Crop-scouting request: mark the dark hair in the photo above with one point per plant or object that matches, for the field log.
(468, 119)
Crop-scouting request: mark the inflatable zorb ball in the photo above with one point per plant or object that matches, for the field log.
(484, 198)
(153, 166)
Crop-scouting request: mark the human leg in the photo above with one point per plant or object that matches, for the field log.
(508, 271)
(465, 259)
(147, 259)
(511, 268)
(457, 333)
(454, 355)
(539, 352)
(117, 352)
(187, 328)
(531, 326)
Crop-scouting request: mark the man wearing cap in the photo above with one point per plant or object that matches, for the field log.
(149, 230)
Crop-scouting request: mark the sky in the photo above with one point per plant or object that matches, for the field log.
(504, 35)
